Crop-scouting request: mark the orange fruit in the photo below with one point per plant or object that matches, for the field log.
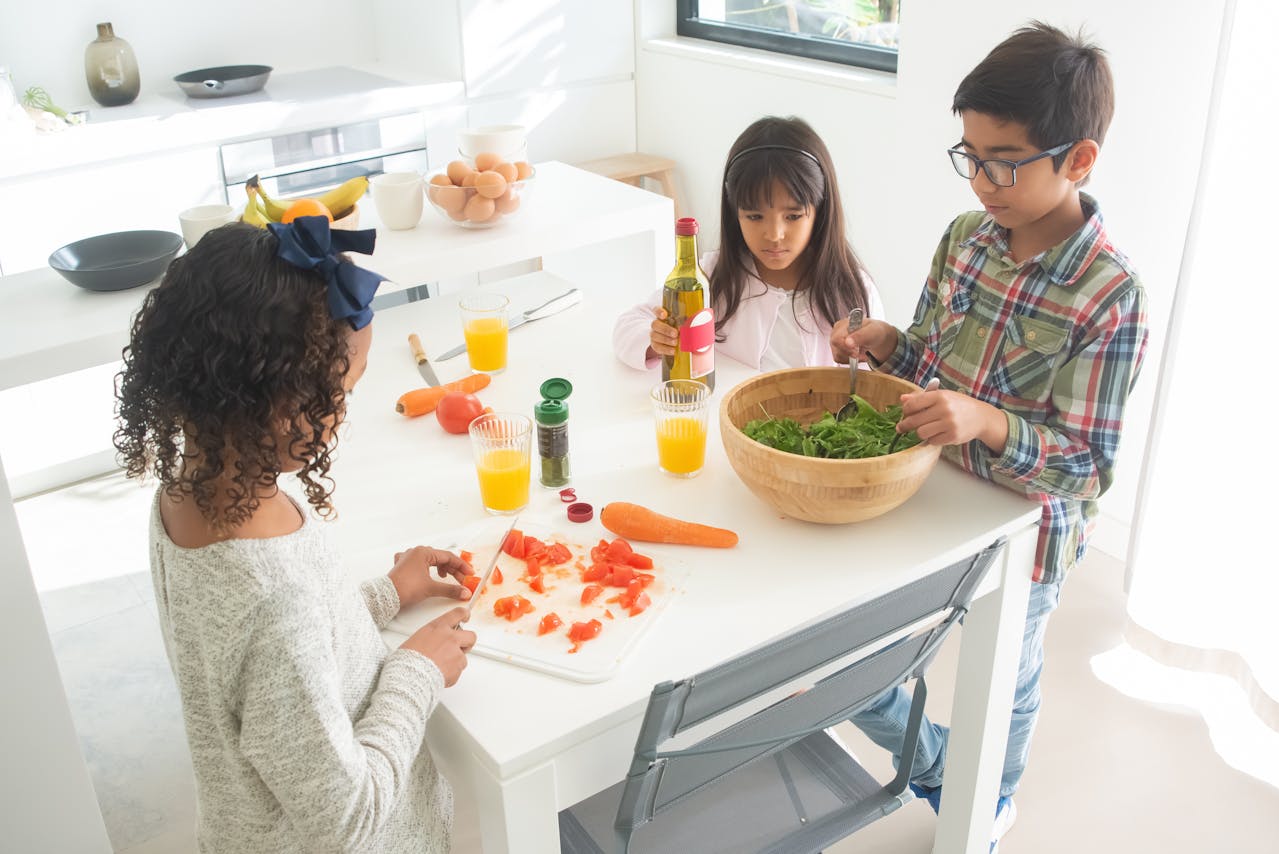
(306, 207)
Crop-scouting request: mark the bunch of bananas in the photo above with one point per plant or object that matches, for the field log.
(261, 208)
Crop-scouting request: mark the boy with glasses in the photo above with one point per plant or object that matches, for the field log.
(1036, 327)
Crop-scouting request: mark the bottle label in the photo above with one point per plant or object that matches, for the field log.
(697, 339)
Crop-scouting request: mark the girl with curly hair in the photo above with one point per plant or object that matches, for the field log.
(305, 734)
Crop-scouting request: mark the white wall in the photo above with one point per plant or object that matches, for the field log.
(888, 140)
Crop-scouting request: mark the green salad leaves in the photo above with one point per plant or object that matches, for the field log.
(866, 434)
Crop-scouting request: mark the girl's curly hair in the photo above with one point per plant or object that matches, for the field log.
(233, 347)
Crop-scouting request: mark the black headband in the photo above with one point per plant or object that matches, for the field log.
(755, 148)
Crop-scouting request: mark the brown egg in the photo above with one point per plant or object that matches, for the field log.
(479, 209)
(507, 171)
(508, 202)
(451, 198)
(469, 180)
(457, 172)
(486, 160)
(490, 185)
(443, 180)
(522, 169)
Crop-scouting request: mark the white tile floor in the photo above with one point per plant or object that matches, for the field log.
(1107, 773)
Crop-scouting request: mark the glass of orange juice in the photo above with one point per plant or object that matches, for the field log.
(484, 327)
(680, 408)
(502, 442)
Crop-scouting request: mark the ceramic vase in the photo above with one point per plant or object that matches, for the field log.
(110, 69)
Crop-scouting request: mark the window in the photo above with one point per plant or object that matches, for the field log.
(852, 32)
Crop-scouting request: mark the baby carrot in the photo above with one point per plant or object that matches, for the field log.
(420, 401)
(639, 523)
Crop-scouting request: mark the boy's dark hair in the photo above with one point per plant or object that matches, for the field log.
(831, 274)
(1058, 86)
(232, 347)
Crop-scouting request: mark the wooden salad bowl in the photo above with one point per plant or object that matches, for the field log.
(832, 492)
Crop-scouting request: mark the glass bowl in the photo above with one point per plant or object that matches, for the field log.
(477, 206)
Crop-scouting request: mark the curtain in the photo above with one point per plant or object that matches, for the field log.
(1203, 607)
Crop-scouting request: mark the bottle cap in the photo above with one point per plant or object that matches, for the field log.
(553, 410)
(685, 225)
(581, 512)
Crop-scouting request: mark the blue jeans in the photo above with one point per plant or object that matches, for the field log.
(884, 720)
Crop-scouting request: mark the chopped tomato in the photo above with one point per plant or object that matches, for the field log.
(585, 631)
(512, 607)
(496, 577)
(466, 556)
(598, 552)
(621, 575)
(535, 584)
(634, 590)
(533, 566)
(558, 553)
(470, 582)
(608, 613)
(589, 592)
(514, 544)
(549, 623)
(618, 550)
(533, 546)
(641, 602)
(639, 561)
(596, 572)
(646, 577)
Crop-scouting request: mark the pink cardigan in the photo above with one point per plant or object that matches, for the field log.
(747, 331)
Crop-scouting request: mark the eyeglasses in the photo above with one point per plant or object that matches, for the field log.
(1002, 173)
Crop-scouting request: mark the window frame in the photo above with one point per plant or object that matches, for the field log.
(872, 57)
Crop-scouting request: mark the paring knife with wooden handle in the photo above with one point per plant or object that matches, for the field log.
(423, 366)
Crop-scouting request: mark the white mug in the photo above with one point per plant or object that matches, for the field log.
(200, 220)
(398, 197)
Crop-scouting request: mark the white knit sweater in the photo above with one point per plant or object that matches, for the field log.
(305, 735)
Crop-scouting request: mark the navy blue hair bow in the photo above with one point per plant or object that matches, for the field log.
(310, 244)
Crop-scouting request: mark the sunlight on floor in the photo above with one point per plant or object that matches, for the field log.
(1239, 738)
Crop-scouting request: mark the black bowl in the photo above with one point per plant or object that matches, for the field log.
(114, 262)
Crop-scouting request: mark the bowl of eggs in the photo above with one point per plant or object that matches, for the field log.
(479, 193)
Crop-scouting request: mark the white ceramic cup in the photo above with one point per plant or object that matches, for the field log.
(200, 220)
(506, 141)
(398, 197)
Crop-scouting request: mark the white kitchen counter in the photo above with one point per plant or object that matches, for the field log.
(172, 121)
(50, 327)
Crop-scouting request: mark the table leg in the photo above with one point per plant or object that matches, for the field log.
(518, 816)
(982, 708)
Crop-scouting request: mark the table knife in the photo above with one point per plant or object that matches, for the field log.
(554, 305)
(488, 571)
(423, 366)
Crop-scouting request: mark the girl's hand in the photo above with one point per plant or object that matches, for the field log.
(663, 337)
(445, 642)
(953, 418)
(411, 575)
(875, 337)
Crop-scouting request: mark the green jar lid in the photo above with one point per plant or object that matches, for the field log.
(556, 388)
(553, 410)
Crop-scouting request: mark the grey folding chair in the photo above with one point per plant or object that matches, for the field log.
(775, 781)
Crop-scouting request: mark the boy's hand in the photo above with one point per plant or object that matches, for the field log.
(443, 641)
(663, 337)
(411, 575)
(952, 418)
(876, 337)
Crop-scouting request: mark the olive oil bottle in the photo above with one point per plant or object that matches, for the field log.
(687, 300)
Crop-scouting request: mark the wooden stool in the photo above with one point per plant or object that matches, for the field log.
(634, 168)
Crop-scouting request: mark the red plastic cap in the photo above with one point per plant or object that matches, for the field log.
(685, 225)
(581, 512)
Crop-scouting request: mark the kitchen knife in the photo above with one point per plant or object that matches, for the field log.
(423, 366)
(554, 305)
(484, 579)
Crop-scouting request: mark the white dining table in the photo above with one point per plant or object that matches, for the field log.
(521, 745)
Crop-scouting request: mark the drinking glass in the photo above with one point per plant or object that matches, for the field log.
(680, 407)
(502, 442)
(484, 327)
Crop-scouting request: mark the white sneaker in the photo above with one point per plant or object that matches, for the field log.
(1005, 815)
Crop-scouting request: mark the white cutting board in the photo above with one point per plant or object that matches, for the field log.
(518, 642)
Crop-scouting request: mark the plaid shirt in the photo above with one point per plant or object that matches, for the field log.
(1055, 342)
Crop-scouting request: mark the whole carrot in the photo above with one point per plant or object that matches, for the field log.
(639, 523)
(420, 401)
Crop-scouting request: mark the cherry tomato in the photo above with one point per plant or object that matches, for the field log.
(456, 410)
(549, 623)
